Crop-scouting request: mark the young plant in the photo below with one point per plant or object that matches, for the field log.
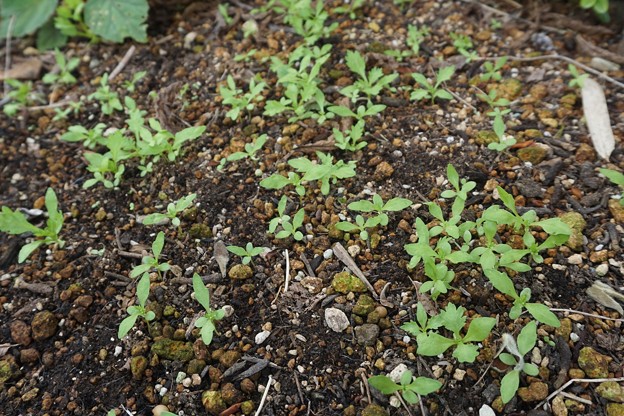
(247, 253)
(463, 44)
(578, 79)
(433, 91)
(492, 70)
(19, 96)
(206, 323)
(308, 21)
(290, 225)
(15, 222)
(107, 168)
(108, 99)
(324, 170)
(515, 357)
(152, 262)
(380, 208)
(362, 111)
(72, 107)
(600, 7)
(130, 85)
(360, 226)
(351, 139)
(69, 21)
(65, 68)
(351, 8)
(615, 177)
(250, 152)
(241, 102)
(371, 83)
(410, 387)
(414, 38)
(137, 311)
(173, 209)
(452, 318)
(223, 11)
(277, 181)
(90, 138)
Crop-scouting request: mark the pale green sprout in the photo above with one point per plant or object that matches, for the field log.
(15, 222)
(325, 170)
(249, 153)
(137, 311)
(351, 139)
(290, 224)
(515, 357)
(360, 226)
(410, 387)
(380, 208)
(223, 11)
(130, 85)
(173, 209)
(578, 79)
(240, 102)
(65, 68)
(20, 95)
(492, 70)
(370, 83)
(247, 253)
(433, 91)
(615, 177)
(108, 99)
(206, 323)
(152, 262)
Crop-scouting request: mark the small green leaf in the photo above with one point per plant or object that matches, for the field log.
(201, 292)
(27, 250)
(530, 369)
(384, 384)
(479, 329)
(509, 385)
(543, 314)
(158, 244)
(507, 358)
(126, 325)
(466, 353)
(143, 288)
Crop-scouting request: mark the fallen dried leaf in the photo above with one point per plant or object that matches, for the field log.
(597, 116)
(222, 256)
(605, 294)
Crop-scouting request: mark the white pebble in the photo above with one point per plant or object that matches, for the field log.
(575, 259)
(602, 270)
(262, 336)
(327, 254)
(336, 319)
(574, 337)
(459, 374)
(397, 372)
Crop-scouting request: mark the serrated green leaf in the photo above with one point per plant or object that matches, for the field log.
(466, 353)
(14, 222)
(115, 20)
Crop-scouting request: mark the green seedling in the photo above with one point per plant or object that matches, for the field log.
(515, 357)
(223, 11)
(277, 181)
(19, 96)
(504, 141)
(15, 222)
(440, 278)
(206, 323)
(163, 142)
(411, 388)
(69, 20)
(247, 253)
(324, 170)
(63, 113)
(360, 226)
(107, 168)
(290, 225)
(90, 138)
(504, 284)
(308, 21)
(137, 311)
(249, 153)
(237, 100)
(615, 177)
(65, 68)
(351, 140)
(433, 91)
(152, 262)
(578, 79)
(362, 111)
(600, 7)
(380, 208)
(130, 85)
(108, 99)
(495, 24)
(173, 210)
(350, 8)
(463, 44)
(452, 318)
(492, 70)
(246, 57)
(414, 38)
(370, 83)
(403, 3)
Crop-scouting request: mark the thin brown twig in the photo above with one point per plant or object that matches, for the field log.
(563, 58)
(574, 380)
(7, 56)
(122, 64)
(298, 386)
(592, 315)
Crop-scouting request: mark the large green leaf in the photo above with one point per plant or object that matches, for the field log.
(30, 15)
(115, 20)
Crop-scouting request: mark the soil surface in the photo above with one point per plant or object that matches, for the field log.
(61, 308)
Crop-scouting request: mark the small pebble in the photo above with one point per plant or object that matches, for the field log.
(602, 269)
(575, 259)
(459, 374)
(261, 337)
(328, 254)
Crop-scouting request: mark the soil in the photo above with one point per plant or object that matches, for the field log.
(61, 309)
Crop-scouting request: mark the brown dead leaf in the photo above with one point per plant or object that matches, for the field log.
(222, 256)
(23, 68)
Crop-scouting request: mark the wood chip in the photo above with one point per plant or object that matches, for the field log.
(597, 116)
(28, 68)
(222, 256)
